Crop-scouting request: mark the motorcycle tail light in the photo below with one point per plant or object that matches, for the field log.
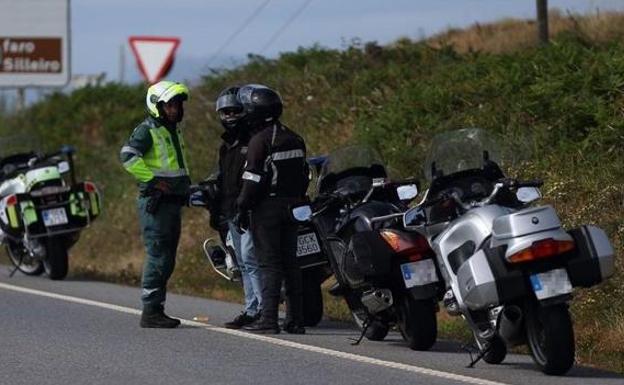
(412, 248)
(415, 257)
(542, 249)
(89, 187)
(11, 200)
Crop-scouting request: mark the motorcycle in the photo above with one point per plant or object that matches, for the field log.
(386, 275)
(43, 209)
(509, 267)
(312, 262)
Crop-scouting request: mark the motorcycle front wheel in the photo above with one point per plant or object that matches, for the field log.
(24, 263)
(56, 262)
(417, 322)
(551, 338)
(312, 299)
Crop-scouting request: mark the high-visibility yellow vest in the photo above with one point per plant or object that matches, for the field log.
(160, 160)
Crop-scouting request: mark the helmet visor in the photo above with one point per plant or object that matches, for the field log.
(231, 114)
(228, 101)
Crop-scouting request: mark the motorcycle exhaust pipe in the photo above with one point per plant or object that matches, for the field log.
(377, 300)
(510, 324)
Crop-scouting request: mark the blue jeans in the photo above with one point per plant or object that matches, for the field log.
(250, 273)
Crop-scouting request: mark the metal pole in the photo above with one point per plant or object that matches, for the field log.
(122, 63)
(21, 99)
(542, 21)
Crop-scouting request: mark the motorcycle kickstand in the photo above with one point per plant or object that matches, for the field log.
(365, 326)
(12, 273)
(479, 356)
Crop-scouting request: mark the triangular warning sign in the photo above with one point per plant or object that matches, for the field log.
(154, 55)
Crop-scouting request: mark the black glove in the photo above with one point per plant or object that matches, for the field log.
(217, 222)
(162, 186)
(241, 221)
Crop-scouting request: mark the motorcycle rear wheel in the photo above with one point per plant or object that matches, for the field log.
(497, 352)
(56, 263)
(551, 338)
(417, 322)
(24, 263)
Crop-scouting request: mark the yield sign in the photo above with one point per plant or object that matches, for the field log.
(154, 55)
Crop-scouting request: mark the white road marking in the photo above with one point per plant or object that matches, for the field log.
(267, 339)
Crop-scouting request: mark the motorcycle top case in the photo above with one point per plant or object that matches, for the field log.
(519, 230)
(593, 259)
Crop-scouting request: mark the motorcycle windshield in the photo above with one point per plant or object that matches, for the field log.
(460, 150)
(354, 166)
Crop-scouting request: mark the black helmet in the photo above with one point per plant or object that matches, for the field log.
(261, 104)
(228, 107)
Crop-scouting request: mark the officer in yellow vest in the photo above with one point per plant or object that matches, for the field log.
(155, 156)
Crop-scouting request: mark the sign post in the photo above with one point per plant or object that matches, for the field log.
(154, 55)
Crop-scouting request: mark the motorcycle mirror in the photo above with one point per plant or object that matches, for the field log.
(414, 217)
(302, 213)
(63, 167)
(407, 192)
(68, 149)
(528, 194)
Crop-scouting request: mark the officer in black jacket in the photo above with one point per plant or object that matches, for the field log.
(275, 178)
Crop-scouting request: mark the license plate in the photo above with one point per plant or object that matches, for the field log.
(551, 283)
(307, 244)
(419, 273)
(54, 217)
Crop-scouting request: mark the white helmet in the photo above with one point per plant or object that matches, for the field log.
(163, 91)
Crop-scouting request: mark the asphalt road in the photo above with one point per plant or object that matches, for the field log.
(75, 332)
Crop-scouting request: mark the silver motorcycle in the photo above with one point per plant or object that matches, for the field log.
(509, 267)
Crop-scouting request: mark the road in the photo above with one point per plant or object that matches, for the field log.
(76, 331)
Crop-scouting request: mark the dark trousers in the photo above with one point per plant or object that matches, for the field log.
(275, 240)
(161, 233)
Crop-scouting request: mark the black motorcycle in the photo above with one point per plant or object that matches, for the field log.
(386, 275)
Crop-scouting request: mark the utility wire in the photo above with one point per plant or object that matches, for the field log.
(285, 25)
(238, 30)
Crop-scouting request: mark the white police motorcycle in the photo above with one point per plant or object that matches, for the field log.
(43, 209)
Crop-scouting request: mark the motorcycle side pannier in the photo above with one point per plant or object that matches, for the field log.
(369, 255)
(593, 261)
(485, 280)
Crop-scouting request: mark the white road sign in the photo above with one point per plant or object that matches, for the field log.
(34, 43)
(154, 55)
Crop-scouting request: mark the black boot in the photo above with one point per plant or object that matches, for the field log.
(262, 327)
(291, 327)
(240, 321)
(155, 317)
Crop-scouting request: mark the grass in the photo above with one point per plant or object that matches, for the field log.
(558, 108)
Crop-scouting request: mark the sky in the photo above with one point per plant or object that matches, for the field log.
(100, 29)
